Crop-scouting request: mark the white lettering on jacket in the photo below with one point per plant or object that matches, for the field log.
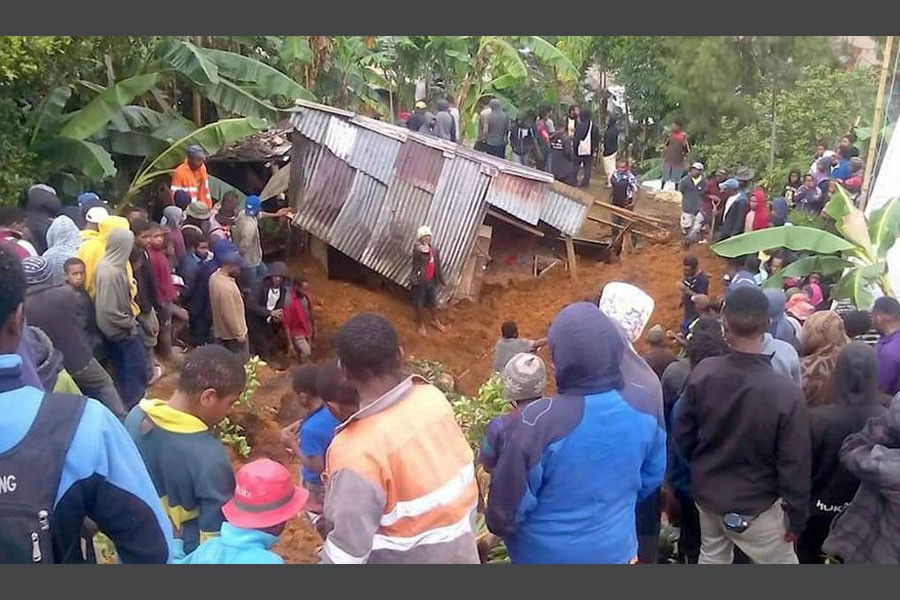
(829, 508)
(7, 484)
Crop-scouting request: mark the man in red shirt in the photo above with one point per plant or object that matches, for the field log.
(191, 176)
(714, 199)
(425, 279)
(676, 148)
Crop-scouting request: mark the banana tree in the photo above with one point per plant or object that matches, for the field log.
(858, 254)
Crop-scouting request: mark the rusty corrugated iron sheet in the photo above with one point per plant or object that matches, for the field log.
(325, 195)
(419, 165)
(390, 250)
(457, 210)
(374, 154)
(311, 123)
(352, 231)
(522, 198)
(565, 214)
(340, 137)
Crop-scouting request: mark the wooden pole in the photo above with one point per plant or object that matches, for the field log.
(876, 123)
(197, 101)
(570, 253)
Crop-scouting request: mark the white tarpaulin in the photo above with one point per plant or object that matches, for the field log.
(885, 186)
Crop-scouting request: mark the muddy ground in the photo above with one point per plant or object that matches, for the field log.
(466, 348)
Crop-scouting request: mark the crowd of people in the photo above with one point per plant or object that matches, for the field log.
(764, 427)
(714, 208)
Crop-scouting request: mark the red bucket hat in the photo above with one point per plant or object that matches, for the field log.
(264, 496)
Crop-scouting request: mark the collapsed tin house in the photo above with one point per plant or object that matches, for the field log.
(363, 187)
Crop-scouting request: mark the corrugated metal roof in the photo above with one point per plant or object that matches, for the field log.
(458, 209)
(369, 185)
(325, 196)
(563, 213)
(419, 165)
(403, 212)
(374, 154)
(522, 198)
(340, 137)
(353, 228)
(311, 123)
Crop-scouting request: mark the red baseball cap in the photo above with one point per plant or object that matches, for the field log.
(264, 496)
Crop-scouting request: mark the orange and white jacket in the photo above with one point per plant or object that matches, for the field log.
(400, 483)
(195, 183)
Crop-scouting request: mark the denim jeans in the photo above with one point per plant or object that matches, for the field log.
(130, 361)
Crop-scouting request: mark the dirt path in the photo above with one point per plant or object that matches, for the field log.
(466, 349)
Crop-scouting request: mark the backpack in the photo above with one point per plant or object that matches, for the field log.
(29, 481)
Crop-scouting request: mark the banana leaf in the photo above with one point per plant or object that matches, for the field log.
(824, 265)
(212, 138)
(857, 285)
(134, 143)
(217, 189)
(88, 158)
(237, 101)
(883, 226)
(106, 106)
(551, 55)
(295, 48)
(51, 108)
(850, 222)
(190, 61)
(243, 69)
(794, 238)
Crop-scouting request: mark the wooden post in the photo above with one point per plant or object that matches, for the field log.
(570, 252)
(197, 100)
(876, 124)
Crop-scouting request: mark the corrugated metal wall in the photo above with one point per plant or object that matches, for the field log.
(368, 186)
(354, 227)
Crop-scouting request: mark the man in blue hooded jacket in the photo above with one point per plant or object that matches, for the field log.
(574, 466)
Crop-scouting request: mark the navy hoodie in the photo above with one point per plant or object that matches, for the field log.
(572, 467)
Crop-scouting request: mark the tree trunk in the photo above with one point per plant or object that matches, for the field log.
(774, 133)
(197, 100)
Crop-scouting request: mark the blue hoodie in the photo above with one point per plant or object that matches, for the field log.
(572, 468)
(103, 476)
(234, 546)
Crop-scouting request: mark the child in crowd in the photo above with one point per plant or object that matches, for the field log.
(265, 499)
(524, 378)
(147, 295)
(299, 324)
(186, 461)
(161, 270)
(511, 344)
(74, 269)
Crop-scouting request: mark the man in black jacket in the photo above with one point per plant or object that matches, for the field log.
(744, 431)
(265, 309)
(425, 279)
(563, 160)
(53, 309)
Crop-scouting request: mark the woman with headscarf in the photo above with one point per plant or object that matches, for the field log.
(780, 328)
(606, 435)
(856, 400)
(116, 320)
(42, 205)
(173, 219)
(779, 213)
(868, 530)
(821, 341)
(63, 241)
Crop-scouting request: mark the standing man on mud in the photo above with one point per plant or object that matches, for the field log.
(497, 130)
(425, 279)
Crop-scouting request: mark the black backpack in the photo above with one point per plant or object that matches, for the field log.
(29, 480)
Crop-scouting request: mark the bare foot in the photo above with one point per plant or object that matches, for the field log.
(439, 326)
(422, 331)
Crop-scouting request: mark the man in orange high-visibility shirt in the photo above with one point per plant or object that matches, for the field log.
(191, 176)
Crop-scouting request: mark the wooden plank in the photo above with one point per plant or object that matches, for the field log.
(624, 212)
(570, 252)
(652, 236)
(524, 227)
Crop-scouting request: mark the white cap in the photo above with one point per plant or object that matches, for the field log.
(423, 231)
(829, 154)
(698, 166)
(96, 214)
